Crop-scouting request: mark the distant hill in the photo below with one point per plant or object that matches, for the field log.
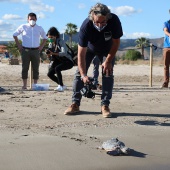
(124, 45)
(4, 42)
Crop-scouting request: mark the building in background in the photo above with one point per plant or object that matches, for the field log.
(3, 48)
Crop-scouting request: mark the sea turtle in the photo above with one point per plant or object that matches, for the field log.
(115, 147)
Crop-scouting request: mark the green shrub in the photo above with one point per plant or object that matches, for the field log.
(132, 55)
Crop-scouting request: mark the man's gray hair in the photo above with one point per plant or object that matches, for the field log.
(99, 10)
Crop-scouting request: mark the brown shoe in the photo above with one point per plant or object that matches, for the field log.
(74, 108)
(106, 111)
(164, 85)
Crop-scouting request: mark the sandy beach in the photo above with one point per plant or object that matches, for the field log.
(35, 134)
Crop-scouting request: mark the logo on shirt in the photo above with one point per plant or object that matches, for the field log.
(107, 35)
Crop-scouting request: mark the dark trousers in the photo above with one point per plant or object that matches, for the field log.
(96, 63)
(107, 81)
(33, 57)
(166, 55)
(57, 66)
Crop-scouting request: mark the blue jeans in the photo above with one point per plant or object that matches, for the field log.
(107, 81)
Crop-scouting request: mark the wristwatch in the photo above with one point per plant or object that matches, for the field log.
(83, 76)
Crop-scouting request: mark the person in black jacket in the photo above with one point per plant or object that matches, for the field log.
(59, 58)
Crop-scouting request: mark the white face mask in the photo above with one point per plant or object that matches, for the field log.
(99, 28)
(32, 22)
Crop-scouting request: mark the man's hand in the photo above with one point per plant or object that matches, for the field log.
(20, 47)
(107, 68)
(40, 48)
(85, 79)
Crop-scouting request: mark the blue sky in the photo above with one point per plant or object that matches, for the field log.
(139, 18)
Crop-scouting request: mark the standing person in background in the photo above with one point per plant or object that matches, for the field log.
(31, 47)
(59, 58)
(6, 53)
(166, 53)
(99, 35)
(96, 63)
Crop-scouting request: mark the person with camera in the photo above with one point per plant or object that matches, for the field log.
(31, 47)
(99, 35)
(59, 58)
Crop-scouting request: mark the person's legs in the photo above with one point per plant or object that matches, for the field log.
(59, 75)
(63, 65)
(25, 55)
(96, 63)
(68, 64)
(51, 75)
(78, 85)
(166, 56)
(24, 84)
(35, 62)
(107, 87)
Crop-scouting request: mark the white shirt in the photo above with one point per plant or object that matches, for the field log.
(30, 35)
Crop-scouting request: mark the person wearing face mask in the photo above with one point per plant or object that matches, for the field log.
(99, 35)
(30, 48)
(166, 53)
(59, 58)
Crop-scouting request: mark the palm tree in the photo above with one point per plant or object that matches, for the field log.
(13, 49)
(142, 43)
(71, 30)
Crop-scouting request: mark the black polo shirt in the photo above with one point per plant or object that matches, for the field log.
(100, 41)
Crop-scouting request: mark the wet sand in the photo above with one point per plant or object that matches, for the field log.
(35, 134)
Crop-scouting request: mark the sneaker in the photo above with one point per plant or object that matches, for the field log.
(74, 108)
(106, 111)
(59, 88)
(55, 89)
(164, 85)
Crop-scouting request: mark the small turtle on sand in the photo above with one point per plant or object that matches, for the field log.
(115, 147)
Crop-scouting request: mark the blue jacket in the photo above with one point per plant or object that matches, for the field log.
(167, 38)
